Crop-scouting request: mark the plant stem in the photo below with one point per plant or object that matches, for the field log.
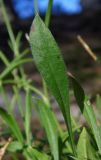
(9, 28)
(28, 115)
(4, 96)
(4, 59)
(19, 100)
(36, 6)
(13, 66)
(48, 13)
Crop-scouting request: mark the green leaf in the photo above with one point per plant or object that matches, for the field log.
(87, 110)
(11, 122)
(98, 101)
(12, 66)
(51, 66)
(35, 154)
(50, 126)
(65, 144)
(84, 147)
(15, 146)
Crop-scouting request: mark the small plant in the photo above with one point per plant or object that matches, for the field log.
(48, 59)
(51, 66)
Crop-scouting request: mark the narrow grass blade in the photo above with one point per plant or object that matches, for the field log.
(18, 39)
(48, 13)
(51, 66)
(4, 59)
(63, 136)
(13, 66)
(98, 103)
(11, 122)
(87, 110)
(50, 126)
(28, 116)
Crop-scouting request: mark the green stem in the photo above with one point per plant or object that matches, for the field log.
(48, 13)
(9, 81)
(14, 41)
(13, 66)
(4, 59)
(36, 6)
(4, 96)
(39, 93)
(19, 100)
(45, 89)
(6, 20)
(28, 115)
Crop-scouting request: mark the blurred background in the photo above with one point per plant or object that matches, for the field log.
(70, 18)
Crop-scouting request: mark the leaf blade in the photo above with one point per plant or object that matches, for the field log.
(50, 126)
(11, 122)
(87, 110)
(49, 62)
(35, 154)
(84, 147)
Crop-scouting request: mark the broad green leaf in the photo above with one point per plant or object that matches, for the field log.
(50, 126)
(87, 110)
(11, 122)
(49, 62)
(84, 147)
(35, 154)
(15, 146)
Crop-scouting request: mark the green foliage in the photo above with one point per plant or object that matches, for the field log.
(15, 146)
(11, 122)
(50, 125)
(61, 145)
(87, 110)
(35, 155)
(84, 147)
(51, 66)
(98, 103)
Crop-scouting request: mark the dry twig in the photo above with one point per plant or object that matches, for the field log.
(87, 48)
(3, 149)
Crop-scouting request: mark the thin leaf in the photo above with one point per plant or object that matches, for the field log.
(50, 126)
(87, 110)
(18, 39)
(63, 136)
(48, 13)
(28, 116)
(13, 66)
(11, 122)
(98, 101)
